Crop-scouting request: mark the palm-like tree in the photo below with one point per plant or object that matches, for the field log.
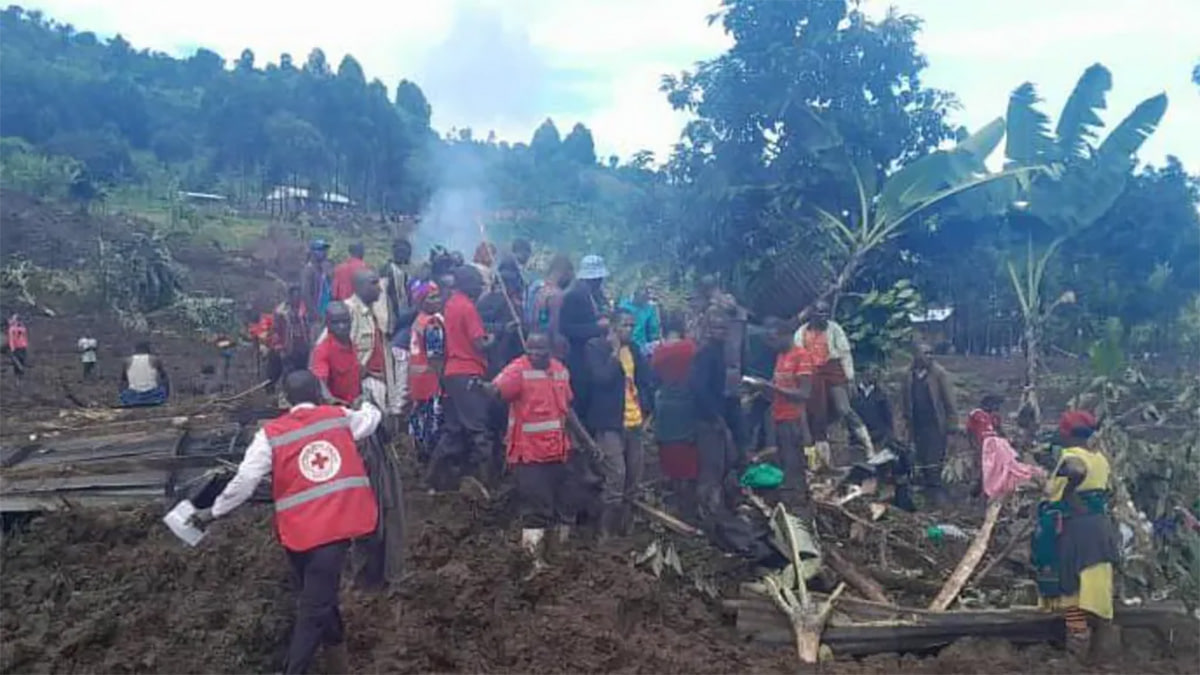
(1085, 177)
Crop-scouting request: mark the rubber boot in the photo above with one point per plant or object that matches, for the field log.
(337, 660)
(532, 540)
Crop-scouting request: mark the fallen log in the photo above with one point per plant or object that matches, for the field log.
(858, 580)
(970, 559)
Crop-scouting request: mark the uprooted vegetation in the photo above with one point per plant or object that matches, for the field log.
(60, 260)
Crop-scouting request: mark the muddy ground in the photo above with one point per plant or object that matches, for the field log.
(115, 592)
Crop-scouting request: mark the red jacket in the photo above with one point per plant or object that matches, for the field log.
(422, 378)
(539, 401)
(318, 480)
(343, 278)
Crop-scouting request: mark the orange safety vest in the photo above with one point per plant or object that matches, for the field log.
(422, 378)
(319, 483)
(537, 416)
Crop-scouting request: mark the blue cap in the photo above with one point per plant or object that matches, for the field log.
(318, 245)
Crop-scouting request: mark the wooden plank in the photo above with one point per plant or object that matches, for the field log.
(23, 503)
(84, 482)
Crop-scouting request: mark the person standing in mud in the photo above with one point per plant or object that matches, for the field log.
(826, 341)
(334, 361)
(396, 275)
(292, 335)
(374, 355)
(1075, 542)
(537, 388)
(583, 315)
(427, 361)
(315, 284)
(465, 444)
(383, 559)
(17, 337)
(87, 354)
(714, 440)
(790, 389)
(620, 403)
(323, 500)
(345, 272)
(927, 403)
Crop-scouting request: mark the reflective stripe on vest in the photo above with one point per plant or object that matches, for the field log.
(310, 430)
(318, 491)
(561, 375)
(417, 368)
(538, 427)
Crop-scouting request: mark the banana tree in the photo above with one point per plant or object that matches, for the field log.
(881, 216)
(1083, 180)
(1027, 284)
(1087, 175)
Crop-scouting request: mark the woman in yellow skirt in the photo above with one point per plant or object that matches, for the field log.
(1075, 543)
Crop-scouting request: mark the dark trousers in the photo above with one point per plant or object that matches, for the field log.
(930, 442)
(317, 574)
(792, 436)
(543, 491)
(622, 463)
(715, 462)
(465, 443)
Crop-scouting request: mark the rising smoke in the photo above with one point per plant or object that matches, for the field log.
(461, 197)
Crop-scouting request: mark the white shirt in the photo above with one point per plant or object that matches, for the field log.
(256, 464)
(839, 345)
(87, 349)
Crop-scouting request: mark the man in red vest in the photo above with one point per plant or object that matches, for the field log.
(323, 500)
(538, 390)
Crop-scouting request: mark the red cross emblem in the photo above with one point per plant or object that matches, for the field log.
(320, 460)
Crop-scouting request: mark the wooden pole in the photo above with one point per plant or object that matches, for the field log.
(970, 559)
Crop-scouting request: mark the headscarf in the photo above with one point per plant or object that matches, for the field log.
(1074, 423)
(424, 290)
(981, 424)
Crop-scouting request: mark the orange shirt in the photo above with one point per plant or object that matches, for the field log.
(817, 344)
(790, 366)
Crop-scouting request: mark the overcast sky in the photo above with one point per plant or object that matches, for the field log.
(505, 65)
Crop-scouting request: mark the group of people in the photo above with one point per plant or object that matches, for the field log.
(497, 374)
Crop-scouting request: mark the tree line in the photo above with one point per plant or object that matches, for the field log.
(813, 112)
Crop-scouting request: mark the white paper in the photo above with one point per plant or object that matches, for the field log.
(177, 520)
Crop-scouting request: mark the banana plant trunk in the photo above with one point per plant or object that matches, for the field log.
(1029, 396)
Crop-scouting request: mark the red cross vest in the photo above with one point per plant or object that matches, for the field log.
(536, 422)
(319, 483)
(422, 378)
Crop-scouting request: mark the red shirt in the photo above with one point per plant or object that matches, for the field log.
(672, 361)
(343, 278)
(336, 365)
(790, 366)
(463, 328)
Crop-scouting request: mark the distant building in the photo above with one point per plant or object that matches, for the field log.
(933, 327)
(284, 198)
